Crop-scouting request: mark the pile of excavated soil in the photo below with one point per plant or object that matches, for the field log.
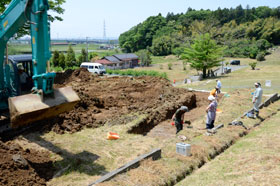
(23, 167)
(112, 100)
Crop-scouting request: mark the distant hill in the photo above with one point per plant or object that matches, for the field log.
(245, 31)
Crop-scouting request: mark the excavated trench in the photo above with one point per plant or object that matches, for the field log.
(161, 114)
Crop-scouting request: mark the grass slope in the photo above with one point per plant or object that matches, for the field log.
(253, 160)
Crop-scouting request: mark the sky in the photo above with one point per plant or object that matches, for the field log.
(85, 18)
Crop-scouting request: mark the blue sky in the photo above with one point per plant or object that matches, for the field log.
(85, 18)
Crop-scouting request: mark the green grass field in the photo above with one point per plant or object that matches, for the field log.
(245, 78)
(23, 49)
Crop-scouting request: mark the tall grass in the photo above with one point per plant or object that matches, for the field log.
(137, 73)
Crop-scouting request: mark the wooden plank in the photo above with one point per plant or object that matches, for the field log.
(155, 154)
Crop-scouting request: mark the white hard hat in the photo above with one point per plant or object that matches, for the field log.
(20, 67)
(211, 98)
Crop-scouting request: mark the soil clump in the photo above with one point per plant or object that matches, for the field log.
(23, 167)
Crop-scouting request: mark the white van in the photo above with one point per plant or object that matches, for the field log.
(96, 68)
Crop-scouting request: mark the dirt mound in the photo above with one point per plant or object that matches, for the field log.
(81, 74)
(112, 100)
(23, 167)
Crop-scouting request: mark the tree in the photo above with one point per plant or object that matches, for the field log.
(93, 56)
(145, 57)
(204, 54)
(162, 46)
(70, 58)
(55, 58)
(253, 65)
(82, 57)
(61, 60)
(141, 36)
(55, 7)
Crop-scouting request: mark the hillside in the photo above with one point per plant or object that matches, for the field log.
(245, 31)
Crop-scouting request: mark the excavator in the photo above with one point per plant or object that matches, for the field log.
(44, 101)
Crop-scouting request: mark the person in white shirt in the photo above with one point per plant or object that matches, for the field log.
(219, 86)
(257, 98)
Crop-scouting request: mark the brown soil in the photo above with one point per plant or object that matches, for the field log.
(35, 171)
(117, 100)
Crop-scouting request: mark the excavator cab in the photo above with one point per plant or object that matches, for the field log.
(21, 72)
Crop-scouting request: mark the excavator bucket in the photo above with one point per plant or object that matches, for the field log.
(29, 108)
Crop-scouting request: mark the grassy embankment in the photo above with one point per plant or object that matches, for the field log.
(253, 160)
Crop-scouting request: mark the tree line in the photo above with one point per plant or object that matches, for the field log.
(61, 61)
(246, 32)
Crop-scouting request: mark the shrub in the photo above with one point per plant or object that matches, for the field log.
(253, 65)
(109, 71)
(260, 56)
(170, 66)
(57, 69)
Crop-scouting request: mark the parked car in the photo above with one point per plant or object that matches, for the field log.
(96, 68)
(235, 62)
(227, 70)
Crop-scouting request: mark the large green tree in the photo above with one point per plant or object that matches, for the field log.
(55, 8)
(203, 54)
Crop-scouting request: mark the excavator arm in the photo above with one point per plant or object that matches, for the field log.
(10, 21)
(46, 102)
(34, 12)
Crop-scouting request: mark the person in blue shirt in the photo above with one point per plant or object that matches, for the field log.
(219, 86)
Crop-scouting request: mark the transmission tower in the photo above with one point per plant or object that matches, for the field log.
(104, 30)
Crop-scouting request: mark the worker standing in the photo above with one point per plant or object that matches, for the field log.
(178, 118)
(211, 112)
(219, 86)
(23, 78)
(257, 98)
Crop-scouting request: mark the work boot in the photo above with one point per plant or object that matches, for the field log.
(257, 114)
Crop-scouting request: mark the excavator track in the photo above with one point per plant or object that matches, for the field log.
(7, 132)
